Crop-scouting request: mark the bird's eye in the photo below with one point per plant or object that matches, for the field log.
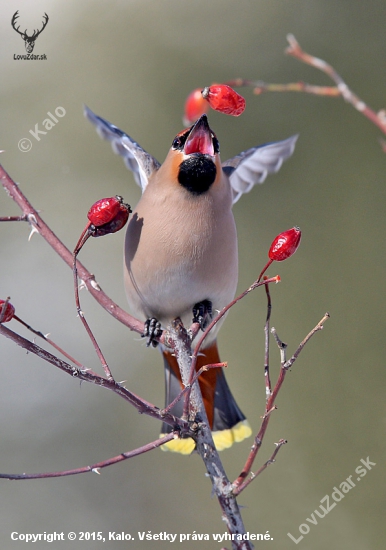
(177, 142)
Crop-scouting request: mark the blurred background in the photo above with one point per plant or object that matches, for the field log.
(134, 62)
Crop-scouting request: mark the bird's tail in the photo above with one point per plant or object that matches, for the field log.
(226, 420)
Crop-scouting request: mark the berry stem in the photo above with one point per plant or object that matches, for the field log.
(264, 269)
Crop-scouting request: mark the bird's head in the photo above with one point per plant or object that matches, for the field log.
(194, 158)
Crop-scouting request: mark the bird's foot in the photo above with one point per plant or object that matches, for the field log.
(202, 313)
(152, 331)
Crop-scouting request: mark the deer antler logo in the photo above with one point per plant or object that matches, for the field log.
(29, 40)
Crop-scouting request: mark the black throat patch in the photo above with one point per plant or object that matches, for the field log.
(197, 173)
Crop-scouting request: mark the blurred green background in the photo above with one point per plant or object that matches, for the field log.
(134, 63)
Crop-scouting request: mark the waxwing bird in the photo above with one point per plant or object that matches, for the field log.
(181, 250)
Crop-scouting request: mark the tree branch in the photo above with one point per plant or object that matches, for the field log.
(241, 482)
(296, 51)
(341, 89)
(180, 341)
(98, 465)
(39, 226)
(220, 315)
(142, 406)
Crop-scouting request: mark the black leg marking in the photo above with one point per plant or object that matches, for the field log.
(152, 331)
(202, 313)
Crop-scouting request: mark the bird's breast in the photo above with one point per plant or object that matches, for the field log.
(180, 250)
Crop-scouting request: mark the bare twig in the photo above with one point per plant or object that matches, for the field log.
(262, 87)
(271, 460)
(241, 482)
(98, 465)
(296, 51)
(341, 89)
(82, 317)
(13, 219)
(142, 406)
(288, 364)
(268, 387)
(197, 348)
(49, 341)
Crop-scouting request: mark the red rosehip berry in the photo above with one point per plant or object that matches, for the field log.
(285, 244)
(115, 224)
(108, 216)
(104, 210)
(224, 99)
(105, 216)
(195, 106)
(8, 313)
(282, 247)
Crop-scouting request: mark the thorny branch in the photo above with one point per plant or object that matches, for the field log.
(294, 49)
(222, 488)
(51, 342)
(340, 89)
(94, 467)
(82, 317)
(241, 482)
(84, 374)
(198, 346)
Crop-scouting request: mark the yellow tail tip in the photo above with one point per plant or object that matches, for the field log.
(223, 439)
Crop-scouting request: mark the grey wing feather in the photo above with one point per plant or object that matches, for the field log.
(136, 159)
(252, 166)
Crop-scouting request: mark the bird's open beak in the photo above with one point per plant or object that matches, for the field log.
(200, 139)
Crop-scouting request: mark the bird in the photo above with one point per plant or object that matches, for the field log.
(180, 254)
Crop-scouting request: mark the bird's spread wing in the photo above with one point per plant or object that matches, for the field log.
(252, 166)
(136, 159)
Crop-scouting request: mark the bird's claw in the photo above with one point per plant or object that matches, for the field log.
(152, 331)
(202, 313)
